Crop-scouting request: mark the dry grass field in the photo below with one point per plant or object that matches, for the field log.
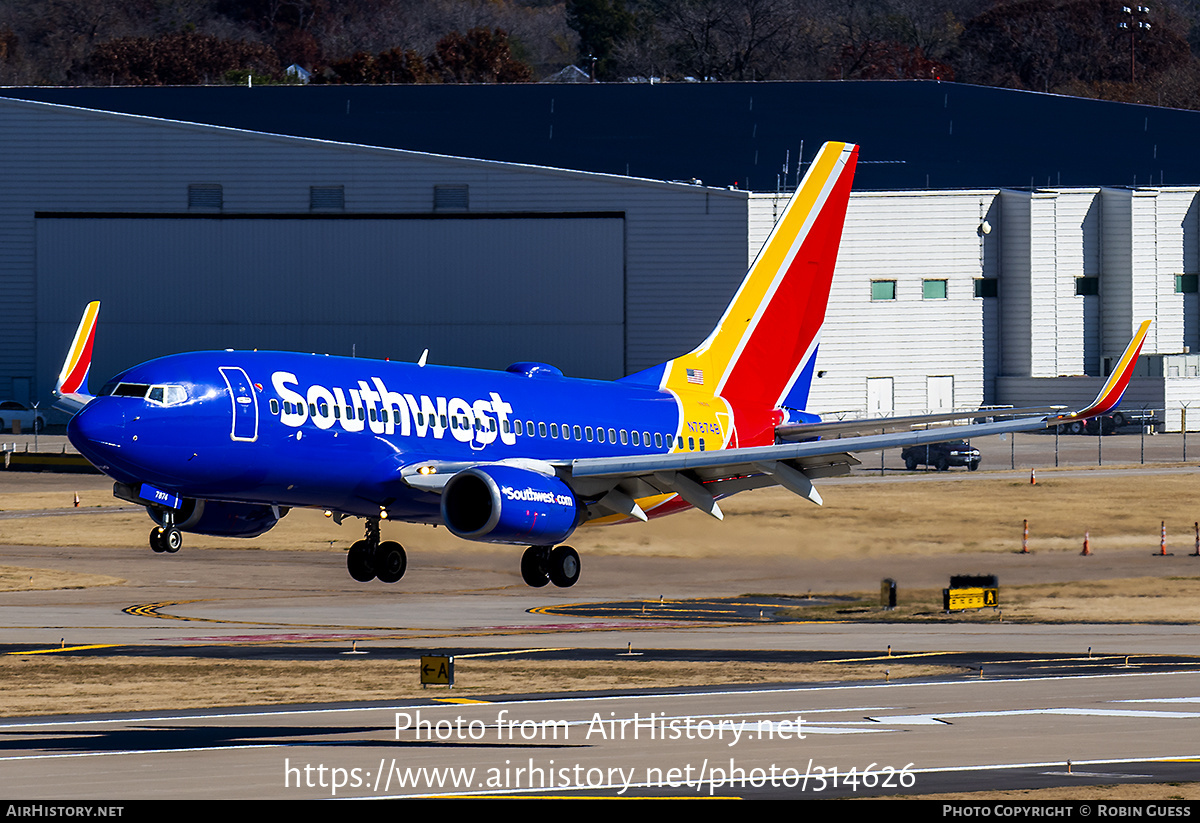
(860, 519)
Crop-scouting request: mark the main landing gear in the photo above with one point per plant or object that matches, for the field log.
(369, 558)
(541, 565)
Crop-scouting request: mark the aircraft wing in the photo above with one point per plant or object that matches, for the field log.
(880, 425)
(701, 477)
(615, 484)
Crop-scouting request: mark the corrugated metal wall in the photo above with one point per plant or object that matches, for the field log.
(682, 255)
(908, 238)
(375, 287)
(619, 273)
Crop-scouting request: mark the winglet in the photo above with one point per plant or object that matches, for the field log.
(71, 389)
(1117, 382)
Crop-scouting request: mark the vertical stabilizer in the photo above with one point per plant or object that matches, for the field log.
(71, 388)
(765, 344)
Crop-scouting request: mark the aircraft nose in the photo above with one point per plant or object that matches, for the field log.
(98, 430)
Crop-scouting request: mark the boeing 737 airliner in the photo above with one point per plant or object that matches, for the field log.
(226, 442)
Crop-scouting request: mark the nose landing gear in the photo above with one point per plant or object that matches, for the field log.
(167, 537)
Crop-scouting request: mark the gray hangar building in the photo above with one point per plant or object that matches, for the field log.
(204, 225)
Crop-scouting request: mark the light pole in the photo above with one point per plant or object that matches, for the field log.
(1133, 24)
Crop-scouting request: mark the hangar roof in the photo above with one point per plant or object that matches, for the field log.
(914, 134)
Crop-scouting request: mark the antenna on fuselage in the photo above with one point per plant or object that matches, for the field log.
(423, 358)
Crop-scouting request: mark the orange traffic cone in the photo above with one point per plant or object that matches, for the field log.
(1033, 477)
(1087, 548)
(1162, 543)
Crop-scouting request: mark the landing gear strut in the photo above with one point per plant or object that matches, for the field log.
(541, 565)
(369, 558)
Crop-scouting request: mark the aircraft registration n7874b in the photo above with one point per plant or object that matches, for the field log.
(227, 442)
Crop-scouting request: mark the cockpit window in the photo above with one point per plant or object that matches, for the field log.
(163, 395)
(167, 395)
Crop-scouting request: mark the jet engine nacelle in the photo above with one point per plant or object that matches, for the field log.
(506, 504)
(221, 519)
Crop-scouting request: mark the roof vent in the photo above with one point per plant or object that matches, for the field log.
(450, 198)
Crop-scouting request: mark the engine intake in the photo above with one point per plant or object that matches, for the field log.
(506, 504)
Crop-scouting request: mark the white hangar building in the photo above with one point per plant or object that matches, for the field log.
(198, 236)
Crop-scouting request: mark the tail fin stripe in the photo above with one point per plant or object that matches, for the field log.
(764, 366)
(782, 265)
(73, 377)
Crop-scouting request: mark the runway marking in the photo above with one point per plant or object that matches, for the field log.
(146, 751)
(511, 651)
(70, 649)
(459, 700)
(688, 695)
(888, 657)
(1106, 775)
(939, 717)
(152, 610)
(703, 782)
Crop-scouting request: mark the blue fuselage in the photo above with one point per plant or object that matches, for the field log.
(333, 432)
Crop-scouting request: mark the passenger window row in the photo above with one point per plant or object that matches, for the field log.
(522, 428)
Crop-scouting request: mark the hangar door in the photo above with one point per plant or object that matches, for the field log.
(479, 291)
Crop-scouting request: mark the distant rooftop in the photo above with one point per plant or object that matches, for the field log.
(914, 134)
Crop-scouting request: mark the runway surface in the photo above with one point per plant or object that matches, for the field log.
(823, 741)
(1043, 713)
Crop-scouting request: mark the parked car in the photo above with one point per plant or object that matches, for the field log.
(30, 419)
(1109, 423)
(942, 455)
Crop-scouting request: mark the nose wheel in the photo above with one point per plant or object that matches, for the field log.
(541, 565)
(369, 558)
